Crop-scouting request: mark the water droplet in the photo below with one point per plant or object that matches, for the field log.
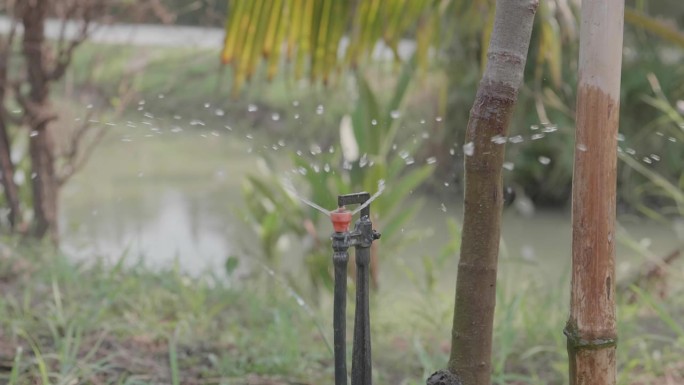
(347, 165)
(160, 96)
(301, 170)
(422, 121)
(659, 133)
(438, 119)
(374, 122)
(409, 161)
(443, 207)
(148, 115)
(33, 134)
(549, 128)
(331, 150)
(176, 129)
(363, 161)
(620, 137)
(252, 108)
(177, 117)
(207, 105)
(296, 116)
(431, 160)
(538, 136)
(34, 175)
(295, 103)
(647, 160)
(326, 167)
(516, 139)
(534, 127)
(446, 184)
(544, 160)
(227, 127)
(630, 151)
(655, 157)
(320, 109)
(582, 147)
(452, 151)
(509, 166)
(672, 139)
(315, 167)
(214, 133)
(219, 112)
(498, 139)
(275, 116)
(395, 114)
(126, 139)
(403, 154)
(89, 106)
(425, 135)
(281, 143)
(197, 122)
(469, 148)
(315, 149)
(249, 136)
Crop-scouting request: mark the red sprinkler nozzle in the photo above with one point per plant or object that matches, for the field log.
(340, 219)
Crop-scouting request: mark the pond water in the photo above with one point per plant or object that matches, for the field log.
(175, 197)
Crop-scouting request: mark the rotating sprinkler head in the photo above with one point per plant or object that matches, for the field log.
(340, 219)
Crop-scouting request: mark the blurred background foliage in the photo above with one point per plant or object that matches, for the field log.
(325, 41)
(440, 45)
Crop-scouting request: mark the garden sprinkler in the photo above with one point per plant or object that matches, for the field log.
(361, 238)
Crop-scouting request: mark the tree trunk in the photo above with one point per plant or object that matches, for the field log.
(471, 342)
(7, 174)
(6, 166)
(591, 329)
(41, 146)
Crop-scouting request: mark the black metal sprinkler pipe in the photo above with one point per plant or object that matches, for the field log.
(361, 238)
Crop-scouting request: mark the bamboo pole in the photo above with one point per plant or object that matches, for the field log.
(591, 329)
(471, 347)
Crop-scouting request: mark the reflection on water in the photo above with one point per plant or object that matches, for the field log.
(160, 229)
(161, 199)
(178, 197)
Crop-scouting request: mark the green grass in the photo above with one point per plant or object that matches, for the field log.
(68, 323)
(64, 322)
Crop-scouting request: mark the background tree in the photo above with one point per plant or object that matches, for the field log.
(29, 66)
